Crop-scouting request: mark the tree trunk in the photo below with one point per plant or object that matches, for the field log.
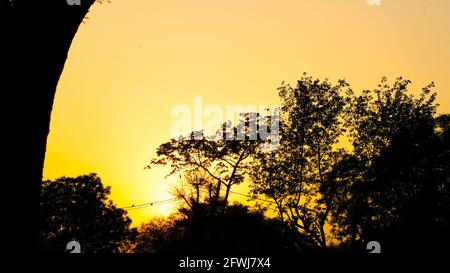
(38, 36)
(227, 193)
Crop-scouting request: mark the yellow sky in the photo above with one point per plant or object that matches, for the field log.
(132, 61)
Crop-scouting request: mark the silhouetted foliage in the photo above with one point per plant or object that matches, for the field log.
(411, 191)
(221, 158)
(391, 185)
(394, 187)
(79, 209)
(237, 230)
(292, 174)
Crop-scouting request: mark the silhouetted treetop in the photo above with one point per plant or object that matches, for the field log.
(79, 209)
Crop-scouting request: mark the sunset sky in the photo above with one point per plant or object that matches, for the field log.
(132, 61)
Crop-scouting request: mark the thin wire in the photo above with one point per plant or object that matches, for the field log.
(253, 197)
(171, 200)
(149, 204)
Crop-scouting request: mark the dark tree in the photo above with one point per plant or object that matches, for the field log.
(391, 186)
(193, 188)
(238, 230)
(36, 36)
(411, 190)
(79, 209)
(395, 186)
(221, 159)
(156, 236)
(311, 123)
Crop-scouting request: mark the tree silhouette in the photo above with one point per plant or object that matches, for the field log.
(194, 188)
(37, 37)
(221, 158)
(411, 179)
(292, 174)
(237, 230)
(391, 186)
(79, 209)
(394, 188)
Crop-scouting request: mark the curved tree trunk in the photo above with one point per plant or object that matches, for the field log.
(38, 35)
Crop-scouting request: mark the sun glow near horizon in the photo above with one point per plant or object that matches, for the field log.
(131, 62)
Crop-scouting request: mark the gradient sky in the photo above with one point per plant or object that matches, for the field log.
(132, 61)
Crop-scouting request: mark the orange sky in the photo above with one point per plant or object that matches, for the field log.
(132, 61)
